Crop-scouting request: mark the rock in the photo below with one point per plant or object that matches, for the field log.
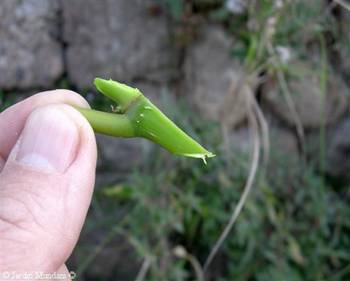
(345, 64)
(338, 151)
(345, 45)
(30, 54)
(116, 39)
(116, 158)
(214, 82)
(282, 141)
(306, 93)
(240, 141)
(236, 6)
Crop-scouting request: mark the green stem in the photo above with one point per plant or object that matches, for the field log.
(323, 87)
(117, 125)
(140, 118)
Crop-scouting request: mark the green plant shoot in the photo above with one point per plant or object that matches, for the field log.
(137, 116)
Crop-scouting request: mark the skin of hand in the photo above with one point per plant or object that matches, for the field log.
(47, 174)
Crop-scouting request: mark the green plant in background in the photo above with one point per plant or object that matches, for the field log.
(136, 116)
(2, 101)
(175, 7)
(174, 209)
(295, 226)
(273, 37)
(5, 101)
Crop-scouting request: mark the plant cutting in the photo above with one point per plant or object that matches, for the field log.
(136, 116)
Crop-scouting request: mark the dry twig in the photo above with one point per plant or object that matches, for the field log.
(343, 4)
(143, 270)
(248, 186)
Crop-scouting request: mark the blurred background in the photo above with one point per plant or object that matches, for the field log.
(264, 84)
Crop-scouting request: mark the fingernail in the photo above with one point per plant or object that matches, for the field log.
(49, 140)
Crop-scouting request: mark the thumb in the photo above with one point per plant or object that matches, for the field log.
(45, 190)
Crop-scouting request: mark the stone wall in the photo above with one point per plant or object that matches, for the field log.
(43, 42)
(30, 50)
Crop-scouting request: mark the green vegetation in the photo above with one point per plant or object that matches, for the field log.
(295, 224)
(4, 101)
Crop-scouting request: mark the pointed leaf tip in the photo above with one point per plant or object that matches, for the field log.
(120, 93)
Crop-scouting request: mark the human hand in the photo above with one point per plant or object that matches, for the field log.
(47, 173)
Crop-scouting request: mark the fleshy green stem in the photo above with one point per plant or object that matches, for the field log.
(117, 125)
(137, 117)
